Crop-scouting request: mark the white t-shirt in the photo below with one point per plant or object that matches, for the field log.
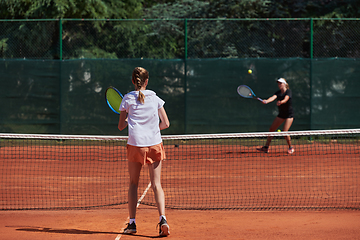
(143, 119)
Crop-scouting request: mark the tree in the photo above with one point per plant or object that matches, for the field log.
(55, 9)
(40, 39)
(159, 39)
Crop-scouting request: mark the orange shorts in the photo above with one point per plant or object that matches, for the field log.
(144, 155)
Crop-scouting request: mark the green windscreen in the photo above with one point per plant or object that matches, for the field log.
(67, 97)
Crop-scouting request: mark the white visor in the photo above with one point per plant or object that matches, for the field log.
(282, 80)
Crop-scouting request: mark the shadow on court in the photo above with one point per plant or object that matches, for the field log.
(62, 231)
(108, 224)
(75, 231)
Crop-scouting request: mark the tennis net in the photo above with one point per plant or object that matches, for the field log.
(221, 171)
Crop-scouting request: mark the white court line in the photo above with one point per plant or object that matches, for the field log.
(143, 195)
(118, 237)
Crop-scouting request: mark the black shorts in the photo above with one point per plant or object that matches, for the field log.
(285, 115)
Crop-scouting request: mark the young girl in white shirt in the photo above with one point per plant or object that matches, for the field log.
(141, 110)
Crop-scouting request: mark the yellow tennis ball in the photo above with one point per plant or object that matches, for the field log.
(249, 71)
(279, 130)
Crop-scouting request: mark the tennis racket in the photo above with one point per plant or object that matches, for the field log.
(246, 92)
(113, 99)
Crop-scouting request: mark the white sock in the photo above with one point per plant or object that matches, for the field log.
(162, 216)
(132, 220)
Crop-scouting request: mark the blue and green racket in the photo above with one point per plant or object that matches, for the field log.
(113, 99)
(247, 92)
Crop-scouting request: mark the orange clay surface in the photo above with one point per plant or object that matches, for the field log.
(108, 224)
(321, 163)
(195, 176)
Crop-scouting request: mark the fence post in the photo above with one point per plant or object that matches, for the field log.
(311, 69)
(185, 75)
(60, 74)
(60, 39)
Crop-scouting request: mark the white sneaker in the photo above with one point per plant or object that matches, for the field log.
(291, 150)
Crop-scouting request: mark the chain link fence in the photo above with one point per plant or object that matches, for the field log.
(54, 72)
(179, 39)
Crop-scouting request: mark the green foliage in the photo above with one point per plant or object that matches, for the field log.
(177, 9)
(313, 8)
(237, 8)
(160, 39)
(41, 39)
(3, 44)
(151, 3)
(42, 9)
(94, 52)
(209, 9)
(120, 9)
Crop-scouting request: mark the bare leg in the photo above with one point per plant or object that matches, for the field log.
(276, 123)
(155, 177)
(287, 125)
(134, 171)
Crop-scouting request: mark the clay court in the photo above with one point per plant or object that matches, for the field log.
(106, 224)
(66, 190)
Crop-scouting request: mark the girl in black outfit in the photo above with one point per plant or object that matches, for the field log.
(286, 113)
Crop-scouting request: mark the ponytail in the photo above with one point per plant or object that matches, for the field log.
(139, 76)
(141, 97)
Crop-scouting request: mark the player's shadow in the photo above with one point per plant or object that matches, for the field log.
(75, 231)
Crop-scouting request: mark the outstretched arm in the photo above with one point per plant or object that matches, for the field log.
(269, 100)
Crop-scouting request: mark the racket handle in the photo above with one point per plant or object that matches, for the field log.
(259, 99)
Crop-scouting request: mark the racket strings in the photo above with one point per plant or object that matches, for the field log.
(113, 98)
(245, 92)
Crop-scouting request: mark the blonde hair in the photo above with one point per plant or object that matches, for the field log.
(286, 83)
(139, 76)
